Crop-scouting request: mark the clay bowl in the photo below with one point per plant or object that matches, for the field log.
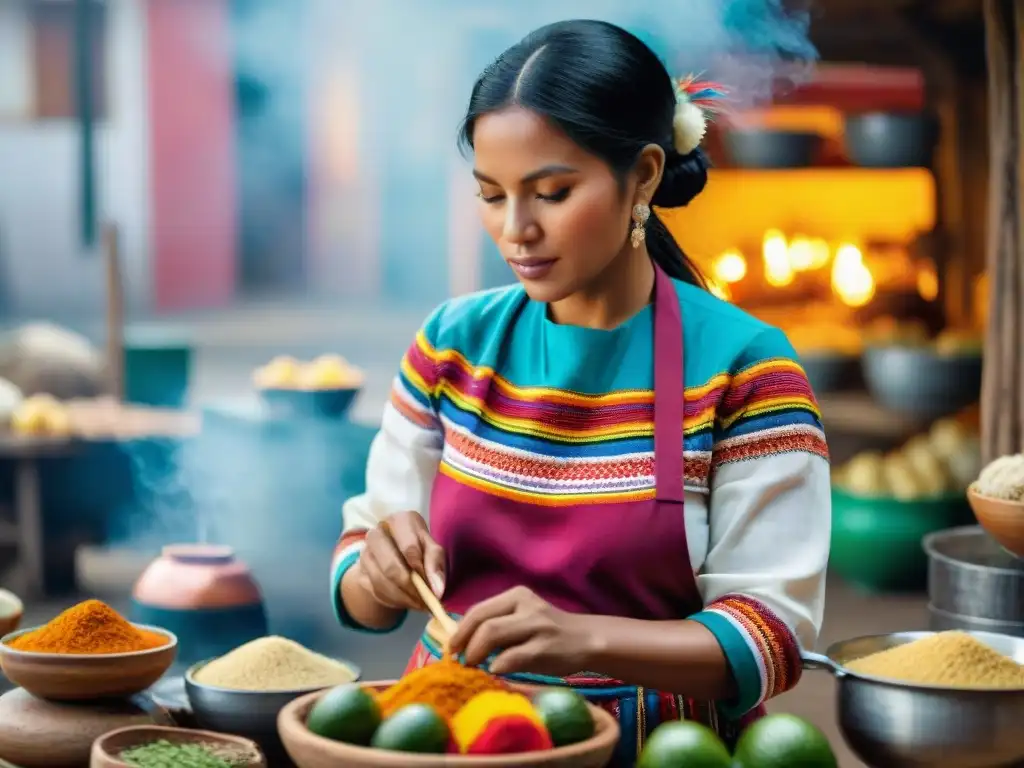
(79, 677)
(1002, 520)
(11, 611)
(307, 750)
(107, 748)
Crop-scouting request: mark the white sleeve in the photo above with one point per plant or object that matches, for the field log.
(400, 472)
(401, 467)
(763, 581)
(769, 531)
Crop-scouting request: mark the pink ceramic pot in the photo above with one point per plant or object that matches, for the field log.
(203, 594)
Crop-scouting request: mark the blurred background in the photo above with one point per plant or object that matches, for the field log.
(192, 188)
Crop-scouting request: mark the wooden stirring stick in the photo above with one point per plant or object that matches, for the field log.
(446, 624)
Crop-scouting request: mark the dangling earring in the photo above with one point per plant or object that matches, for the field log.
(641, 213)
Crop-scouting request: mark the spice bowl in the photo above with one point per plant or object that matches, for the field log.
(11, 611)
(107, 749)
(307, 750)
(1002, 520)
(251, 714)
(80, 677)
(892, 723)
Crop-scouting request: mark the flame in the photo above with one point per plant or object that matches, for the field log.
(928, 283)
(730, 267)
(801, 254)
(852, 281)
(821, 253)
(778, 271)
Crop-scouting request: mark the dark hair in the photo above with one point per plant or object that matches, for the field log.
(610, 94)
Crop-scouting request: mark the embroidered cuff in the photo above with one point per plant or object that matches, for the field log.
(346, 555)
(761, 651)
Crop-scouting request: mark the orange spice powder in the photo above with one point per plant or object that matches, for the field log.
(91, 627)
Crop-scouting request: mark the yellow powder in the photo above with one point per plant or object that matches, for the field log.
(273, 664)
(951, 659)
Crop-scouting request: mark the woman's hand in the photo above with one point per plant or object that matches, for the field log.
(528, 633)
(386, 561)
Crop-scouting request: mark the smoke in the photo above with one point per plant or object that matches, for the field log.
(758, 48)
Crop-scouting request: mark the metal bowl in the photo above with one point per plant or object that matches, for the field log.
(768, 148)
(890, 724)
(891, 140)
(919, 382)
(831, 372)
(250, 714)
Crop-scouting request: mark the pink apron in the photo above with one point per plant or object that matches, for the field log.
(621, 559)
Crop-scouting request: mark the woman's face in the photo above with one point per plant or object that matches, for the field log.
(556, 212)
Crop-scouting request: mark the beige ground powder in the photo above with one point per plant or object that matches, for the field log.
(952, 659)
(273, 664)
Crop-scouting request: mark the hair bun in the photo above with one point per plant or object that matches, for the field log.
(684, 178)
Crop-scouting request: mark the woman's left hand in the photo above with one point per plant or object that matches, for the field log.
(528, 634)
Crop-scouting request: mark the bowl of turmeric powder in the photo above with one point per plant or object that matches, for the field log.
(87, 652)
(929, 698)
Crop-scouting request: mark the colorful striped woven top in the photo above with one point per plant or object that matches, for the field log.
(494, 394)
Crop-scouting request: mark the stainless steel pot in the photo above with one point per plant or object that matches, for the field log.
(943, 621)
(970, 575)
(896, 725)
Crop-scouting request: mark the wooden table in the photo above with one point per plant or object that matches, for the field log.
(26, 531)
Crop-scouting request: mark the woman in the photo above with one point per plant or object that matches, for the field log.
(583, 527)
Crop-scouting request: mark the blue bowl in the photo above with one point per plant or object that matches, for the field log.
(309, 403)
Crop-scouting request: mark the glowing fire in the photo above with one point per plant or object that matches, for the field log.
(784, 259)
(730, 267)
(852, 281)
(778, 270)
(927, 283)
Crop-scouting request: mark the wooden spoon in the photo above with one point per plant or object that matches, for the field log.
(445, 622)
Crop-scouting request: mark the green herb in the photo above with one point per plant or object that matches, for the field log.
(164, 754)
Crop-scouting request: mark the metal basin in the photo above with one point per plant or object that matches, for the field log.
(889, 724)
(944, 621)
(970, 575)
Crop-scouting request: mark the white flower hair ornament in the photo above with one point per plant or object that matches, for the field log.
(696, 102)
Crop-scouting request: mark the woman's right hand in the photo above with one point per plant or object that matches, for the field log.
(386, 561)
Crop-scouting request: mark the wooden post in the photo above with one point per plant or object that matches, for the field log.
(1002, 401)
(115, 311)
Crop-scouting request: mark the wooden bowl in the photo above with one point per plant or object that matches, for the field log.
(107, 748)
(1002, 520)
(11, 611)
(308, 750)
(79, 677)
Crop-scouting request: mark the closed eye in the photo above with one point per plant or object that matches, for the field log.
(490, 200)
(557, 197)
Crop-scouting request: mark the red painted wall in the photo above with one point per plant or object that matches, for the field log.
(193, 216)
